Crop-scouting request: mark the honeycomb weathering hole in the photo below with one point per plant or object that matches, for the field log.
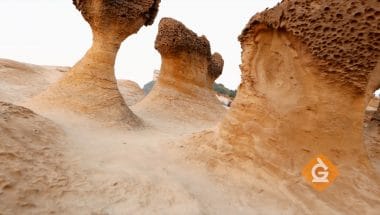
(298, 99)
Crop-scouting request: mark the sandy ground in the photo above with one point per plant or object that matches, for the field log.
(148, 171)
(108, 170)
(90, 168)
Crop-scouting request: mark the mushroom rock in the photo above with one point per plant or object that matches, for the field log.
(90, 87)
(131, 91)
(307, 68)
(183, 90)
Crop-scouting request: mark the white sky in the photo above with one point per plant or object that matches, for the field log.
(52, 32)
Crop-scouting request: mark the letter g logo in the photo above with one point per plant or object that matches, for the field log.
(320, 176)
(320, 173)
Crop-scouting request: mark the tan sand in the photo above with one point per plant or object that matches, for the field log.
(295, 101)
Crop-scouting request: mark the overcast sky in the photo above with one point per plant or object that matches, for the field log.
(52, 32)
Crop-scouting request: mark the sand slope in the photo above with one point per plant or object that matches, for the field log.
(32, 165)
(21, 81)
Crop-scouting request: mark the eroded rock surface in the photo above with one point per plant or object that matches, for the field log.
(307, 68)
(183, 90)
(291, 84)
(90, 87)
(372, 132)
(343, 35)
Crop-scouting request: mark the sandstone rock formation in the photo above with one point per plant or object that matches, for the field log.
(32, 173)
(21, 81)
(307, 70)
(131, 91)
(90, 87)
(295, 102)
(183, 90)
(372, 131)
(373, 104)
(303, 79)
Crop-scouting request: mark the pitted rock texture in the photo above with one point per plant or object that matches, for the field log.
(175, 40)
(90, 87)
(184, 88)
(284, 101)
(123, 11)
(174, 37)
(216, 66)
(344, 35)
(288, 110)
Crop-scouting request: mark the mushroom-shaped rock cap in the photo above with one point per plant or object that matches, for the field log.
(173, 38)
(216, 66)
(104, 15)
(345, 35)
